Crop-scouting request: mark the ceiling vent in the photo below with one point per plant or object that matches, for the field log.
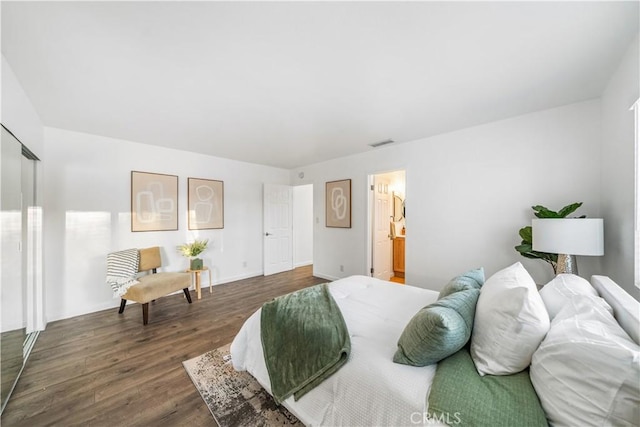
(381, 143)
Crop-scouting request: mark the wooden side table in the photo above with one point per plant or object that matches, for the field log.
(197, 273)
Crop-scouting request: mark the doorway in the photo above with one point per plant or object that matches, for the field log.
(302, 225)
(288, 227)
(387, 231)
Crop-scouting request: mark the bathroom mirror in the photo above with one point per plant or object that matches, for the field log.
(398, 208)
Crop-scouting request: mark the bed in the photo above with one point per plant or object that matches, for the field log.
(370, 389)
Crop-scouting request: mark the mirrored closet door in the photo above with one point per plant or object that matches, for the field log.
(20, 227)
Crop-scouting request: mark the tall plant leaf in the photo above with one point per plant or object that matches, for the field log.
(542, 212)
(569, 209)
(526, 234)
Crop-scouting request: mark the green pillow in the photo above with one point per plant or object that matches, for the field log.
(472, 279)
(460, 396)
(438, 330)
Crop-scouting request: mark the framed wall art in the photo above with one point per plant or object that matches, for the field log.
(338, 204)
(206, 204)
(154, 201)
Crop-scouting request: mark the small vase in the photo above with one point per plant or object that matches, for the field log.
(196, 264)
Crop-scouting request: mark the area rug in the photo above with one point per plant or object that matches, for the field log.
(234, 398)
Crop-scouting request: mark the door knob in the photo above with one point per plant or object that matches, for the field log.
(267, 234)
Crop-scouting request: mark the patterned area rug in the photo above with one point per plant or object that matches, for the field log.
(234, 398)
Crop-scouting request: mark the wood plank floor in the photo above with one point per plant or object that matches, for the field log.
(105, 369)
(10, 358)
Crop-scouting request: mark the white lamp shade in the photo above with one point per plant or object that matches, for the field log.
(571, 236)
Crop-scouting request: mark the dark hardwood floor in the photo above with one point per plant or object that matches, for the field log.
(106, 369)
(11, 343)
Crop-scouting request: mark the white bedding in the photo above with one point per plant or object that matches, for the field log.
(376, 313)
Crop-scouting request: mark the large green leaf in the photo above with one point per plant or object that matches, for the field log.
(524, 247)
(526, 251)
(542, 212)
(526, 234)
(530, 255)
(569, 209)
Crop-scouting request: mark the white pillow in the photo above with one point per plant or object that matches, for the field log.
(587, 370)
(510, 322)
(559, 291)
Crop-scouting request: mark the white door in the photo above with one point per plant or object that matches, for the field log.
(382, 199)
(278, 228)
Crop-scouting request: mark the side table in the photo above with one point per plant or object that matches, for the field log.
(197, 273)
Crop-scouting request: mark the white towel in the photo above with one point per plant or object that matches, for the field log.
(122, 268)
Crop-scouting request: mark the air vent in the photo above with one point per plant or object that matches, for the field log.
(381, 143)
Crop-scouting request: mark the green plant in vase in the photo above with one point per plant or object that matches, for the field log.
(192, 250)
(526, 246)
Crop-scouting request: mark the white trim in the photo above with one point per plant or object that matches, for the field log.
(326, 276)
(636, 256)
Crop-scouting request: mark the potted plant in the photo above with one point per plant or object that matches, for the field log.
(526, 246)
(192, 250)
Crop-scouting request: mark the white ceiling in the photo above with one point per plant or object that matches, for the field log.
(293, 83)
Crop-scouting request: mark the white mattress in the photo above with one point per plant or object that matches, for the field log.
(369, 389)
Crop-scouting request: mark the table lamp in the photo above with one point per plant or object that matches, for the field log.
(568, 237)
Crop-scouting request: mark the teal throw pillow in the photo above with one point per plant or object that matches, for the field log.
(438, 330)
(472, 279)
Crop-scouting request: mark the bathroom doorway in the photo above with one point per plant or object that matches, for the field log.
(387, 231)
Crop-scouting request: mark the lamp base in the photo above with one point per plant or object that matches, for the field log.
(566, 264)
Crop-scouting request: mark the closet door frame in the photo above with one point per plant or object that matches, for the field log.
(22, 274)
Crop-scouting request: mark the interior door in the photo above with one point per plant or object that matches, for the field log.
(278, 228)
(381, 228)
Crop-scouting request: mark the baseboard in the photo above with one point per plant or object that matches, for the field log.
(325, 276)
(302, 264)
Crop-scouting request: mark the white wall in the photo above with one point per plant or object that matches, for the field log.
(468, 192)
(18, 114)
(87, 200)
(618, 171)
(302, 225)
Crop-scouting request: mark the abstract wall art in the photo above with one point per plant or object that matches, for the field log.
(206, 204)
(154, 201)
(338, 203)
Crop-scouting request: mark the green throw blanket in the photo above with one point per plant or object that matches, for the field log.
(305, 340)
